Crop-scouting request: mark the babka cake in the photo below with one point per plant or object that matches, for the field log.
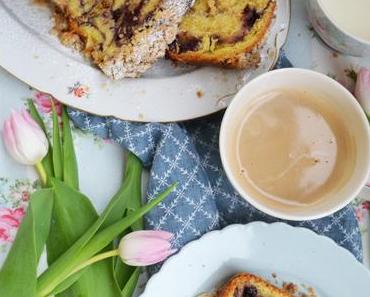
(123, 37)
(223, 32)
(249, 285)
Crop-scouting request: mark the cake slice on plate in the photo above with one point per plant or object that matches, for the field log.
(123, 37)
(224, 33)
(249, 285)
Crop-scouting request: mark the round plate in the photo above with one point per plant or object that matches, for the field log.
(277, 252)
(166, 93)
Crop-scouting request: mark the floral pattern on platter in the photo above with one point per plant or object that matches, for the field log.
(10, 218)
(14, 197)
(362, 210)
(79, 90)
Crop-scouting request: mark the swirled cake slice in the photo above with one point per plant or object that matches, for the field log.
(249, 285)
(123, 37)
(223, 32)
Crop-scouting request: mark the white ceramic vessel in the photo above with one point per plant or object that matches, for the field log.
(317, 84)
(333, 34)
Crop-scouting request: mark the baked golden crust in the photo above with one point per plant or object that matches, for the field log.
(237, 49)
(249, 285)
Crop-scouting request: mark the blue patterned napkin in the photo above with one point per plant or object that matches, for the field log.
(204, 200)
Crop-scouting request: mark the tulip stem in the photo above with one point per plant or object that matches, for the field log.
(42, 173)
(93, 260)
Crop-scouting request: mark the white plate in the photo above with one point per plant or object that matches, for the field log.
(296, 255)
(166, 93)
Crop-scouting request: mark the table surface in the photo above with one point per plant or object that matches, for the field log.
(303, 48)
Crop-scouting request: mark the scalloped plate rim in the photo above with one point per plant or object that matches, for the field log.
(244, 227)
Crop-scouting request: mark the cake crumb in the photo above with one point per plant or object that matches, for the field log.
(311, 292)
(274, 275)
(200, 93)
(212, 10)
(290, 288)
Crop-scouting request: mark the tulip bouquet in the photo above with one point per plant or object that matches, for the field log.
(84, 254)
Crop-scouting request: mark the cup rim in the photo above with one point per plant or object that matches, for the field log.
(269, 210)
(359, 39)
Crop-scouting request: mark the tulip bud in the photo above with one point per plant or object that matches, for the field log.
(143, 248)
(24, 139)
(362, 91)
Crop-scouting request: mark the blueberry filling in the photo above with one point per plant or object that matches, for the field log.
(246, 291)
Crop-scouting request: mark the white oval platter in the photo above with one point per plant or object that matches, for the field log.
(30, 52)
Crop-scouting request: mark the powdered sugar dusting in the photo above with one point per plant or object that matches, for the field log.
(149, 42)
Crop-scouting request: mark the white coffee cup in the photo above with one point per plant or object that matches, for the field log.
(315, 83)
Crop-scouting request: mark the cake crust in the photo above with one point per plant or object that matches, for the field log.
(149, 42)
(238, 51)
(249, 285)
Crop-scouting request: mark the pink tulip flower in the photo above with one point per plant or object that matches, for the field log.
(143, 248)
(24, 139)
(362, 91)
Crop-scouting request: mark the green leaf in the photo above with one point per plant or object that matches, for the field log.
(96, 280)
(73, 213)
(70, 173)
(18, 276)
(88, 245)
(133, 175)
(72, 216)
(131, 185)
(57, 147)
(134, 201)
(120, 201)
(67, 283)
(47, 162)
(130, 286)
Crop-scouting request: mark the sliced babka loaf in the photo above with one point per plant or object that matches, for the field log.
(223, 32)
(123, 37)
